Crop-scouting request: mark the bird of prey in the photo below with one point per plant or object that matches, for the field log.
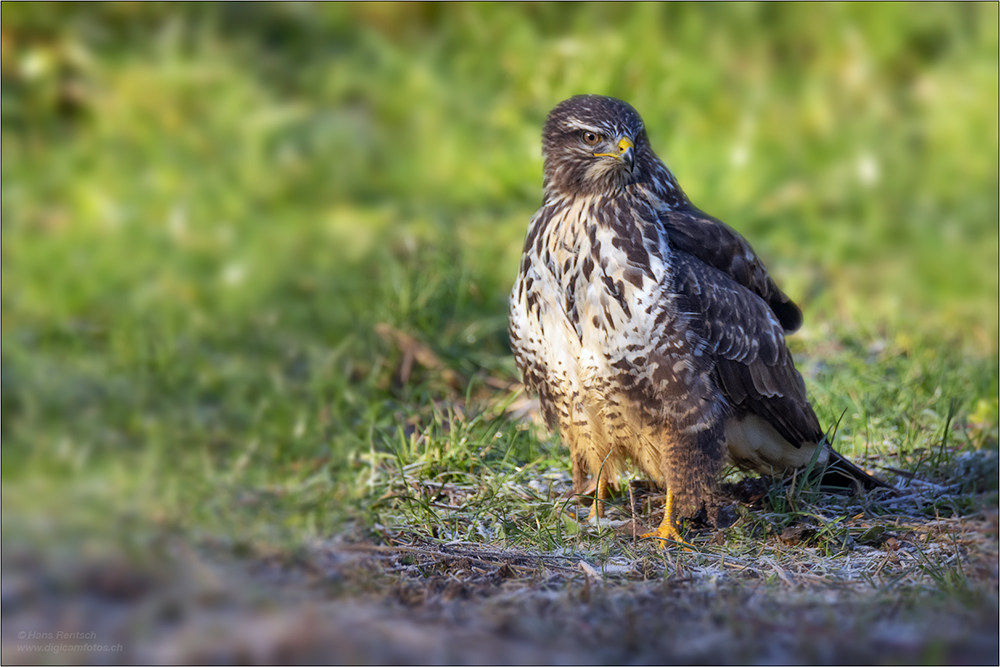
(651, 331)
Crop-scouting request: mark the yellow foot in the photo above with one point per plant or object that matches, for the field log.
(667, 533)
(667, 536)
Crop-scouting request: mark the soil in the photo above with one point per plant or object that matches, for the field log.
(354, 601)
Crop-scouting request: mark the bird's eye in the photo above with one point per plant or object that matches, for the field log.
(590, 138)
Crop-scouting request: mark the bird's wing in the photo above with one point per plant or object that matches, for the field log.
(753, 367)
(717, 244)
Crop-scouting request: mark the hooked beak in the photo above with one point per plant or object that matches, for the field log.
(626, 153)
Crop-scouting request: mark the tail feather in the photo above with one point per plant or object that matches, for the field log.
(841, 473)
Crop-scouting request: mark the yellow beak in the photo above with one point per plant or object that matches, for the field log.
(626, 152)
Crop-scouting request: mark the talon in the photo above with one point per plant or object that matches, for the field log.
(667, 532)
(666, 536)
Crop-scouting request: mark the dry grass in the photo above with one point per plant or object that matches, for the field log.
(802, 576)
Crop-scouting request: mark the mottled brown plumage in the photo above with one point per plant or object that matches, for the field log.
(651, 331)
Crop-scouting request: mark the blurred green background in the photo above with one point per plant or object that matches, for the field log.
(207, 209)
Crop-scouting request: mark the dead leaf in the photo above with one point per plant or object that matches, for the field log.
(415, 351)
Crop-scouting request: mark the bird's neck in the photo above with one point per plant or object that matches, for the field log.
(655, 184)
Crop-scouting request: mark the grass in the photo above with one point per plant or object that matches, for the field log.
(256, 261)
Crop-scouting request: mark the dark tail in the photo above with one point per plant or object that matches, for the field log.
(841, 473)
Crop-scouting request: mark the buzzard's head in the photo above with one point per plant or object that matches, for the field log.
(596, 145)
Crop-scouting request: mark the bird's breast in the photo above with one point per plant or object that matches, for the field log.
(626, 272)
(603, 265)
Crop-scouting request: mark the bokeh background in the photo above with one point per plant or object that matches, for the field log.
(208, 209)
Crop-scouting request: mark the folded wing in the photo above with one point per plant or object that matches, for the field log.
(715, 243)
(753, 367)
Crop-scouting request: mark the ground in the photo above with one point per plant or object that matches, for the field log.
(901, 587)
(258, 400)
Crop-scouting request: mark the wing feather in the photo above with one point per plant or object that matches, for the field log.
(753, 366)
(717, 244)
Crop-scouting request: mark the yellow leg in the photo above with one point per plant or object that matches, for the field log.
(597, 508)
(667, 530)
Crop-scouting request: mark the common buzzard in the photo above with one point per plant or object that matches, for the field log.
(651, 331)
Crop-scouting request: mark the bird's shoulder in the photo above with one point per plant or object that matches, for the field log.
(709, 240)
